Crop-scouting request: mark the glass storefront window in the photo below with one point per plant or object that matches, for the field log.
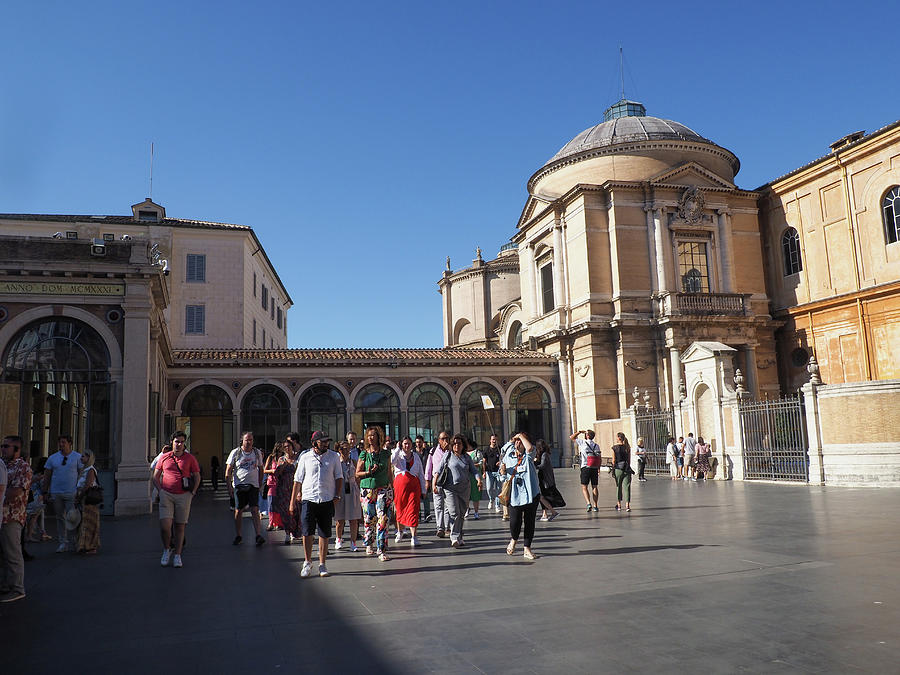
(266, 411)
(377, 405)
(322, 408)
(479, 423)
(429, 412)
(530, 412)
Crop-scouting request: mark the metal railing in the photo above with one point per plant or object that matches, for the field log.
(655, 426)
(774, 439)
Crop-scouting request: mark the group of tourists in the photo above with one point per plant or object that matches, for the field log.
(591, 458)
(67, 481)
(688, 458)
(305, 492)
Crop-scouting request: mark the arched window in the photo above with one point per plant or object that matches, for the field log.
(429, 411)
(515, 335)
(57, 378)
(322, 408)
(205, 400)
(890, 207)
(377, 405)
(266, 412)
(479, 422)
(530, 411)
(790, 252)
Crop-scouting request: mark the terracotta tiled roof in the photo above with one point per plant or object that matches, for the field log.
(355, 357)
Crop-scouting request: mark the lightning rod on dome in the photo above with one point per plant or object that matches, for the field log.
(151, 171)
(622, 70)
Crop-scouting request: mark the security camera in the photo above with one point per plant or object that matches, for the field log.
(57, 235)
(126, 237)
(165, 267)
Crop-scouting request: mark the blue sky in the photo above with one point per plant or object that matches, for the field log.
(365, 142)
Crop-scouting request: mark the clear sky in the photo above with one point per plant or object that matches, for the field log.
(365, 142)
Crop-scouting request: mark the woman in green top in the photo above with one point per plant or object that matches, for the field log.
(475, 494)
(376, 491)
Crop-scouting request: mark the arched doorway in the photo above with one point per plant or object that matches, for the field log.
(322, 408)
(207, 419)
(429, 411)
(530, 411)
(266, 412)
(56, 382)
(478, 422)
(378, 405)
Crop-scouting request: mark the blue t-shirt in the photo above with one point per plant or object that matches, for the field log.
(65, 472)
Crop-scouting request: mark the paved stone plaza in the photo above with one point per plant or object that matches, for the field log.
(719, 577)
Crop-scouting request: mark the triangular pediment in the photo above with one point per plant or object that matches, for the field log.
(691, 173)
(704, 350)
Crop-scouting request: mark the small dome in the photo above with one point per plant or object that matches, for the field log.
(620, 130)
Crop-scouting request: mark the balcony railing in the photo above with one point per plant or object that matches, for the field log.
(702, 304)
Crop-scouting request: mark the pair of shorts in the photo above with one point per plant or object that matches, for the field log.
(246, 495)
(316, 516)
(175, 506)
(589, 475)
(680, 461)
(689, 459)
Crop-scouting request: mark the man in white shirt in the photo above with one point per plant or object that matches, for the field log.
(590, 456)
(318, 485)
(243, 476)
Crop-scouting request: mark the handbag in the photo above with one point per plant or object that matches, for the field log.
(93, 495)
(505, 492)
(187, 482)
(443, 477)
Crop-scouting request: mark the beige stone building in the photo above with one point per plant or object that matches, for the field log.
(830, 232)
(210, 266)
(634, 243)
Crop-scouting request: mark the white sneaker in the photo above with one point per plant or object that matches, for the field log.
(353, 548)
(323, 571)
(62, 548)
(399, 537)
(414, 542)
(338, 544)
(306, 569)
(544, 519)
(177, 561)
(167, 554)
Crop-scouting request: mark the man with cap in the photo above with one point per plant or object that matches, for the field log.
(318, 485)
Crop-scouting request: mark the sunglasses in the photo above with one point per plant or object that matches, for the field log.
(65, 459)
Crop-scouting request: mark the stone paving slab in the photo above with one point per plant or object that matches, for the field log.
(723, 577)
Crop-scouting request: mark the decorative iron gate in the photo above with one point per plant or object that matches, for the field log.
(774, 440)
(655, 426)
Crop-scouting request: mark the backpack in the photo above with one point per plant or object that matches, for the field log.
(592, 454)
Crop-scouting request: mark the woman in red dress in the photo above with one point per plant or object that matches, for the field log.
(409, 486)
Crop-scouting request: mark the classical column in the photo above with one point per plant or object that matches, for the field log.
(558, 294)
(750, 363)
(651, 249)
(132, 469)
(528, 283)
(660, 238)
(726, 251)
(675, 358)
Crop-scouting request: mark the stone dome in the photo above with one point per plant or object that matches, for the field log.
(628, 145)
(627, 130)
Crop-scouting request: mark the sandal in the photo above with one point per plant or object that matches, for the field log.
(383, 557)
(511, 549)
(528, 555)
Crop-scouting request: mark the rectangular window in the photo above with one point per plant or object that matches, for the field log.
(149, 216)
(254, 332)
(194, 320)
(264, 338)
(265, 297)
(547, 287)
(254, 284)
(272, 309)
(693, 266)
(196, 267)
(278, 318)
(109, 236)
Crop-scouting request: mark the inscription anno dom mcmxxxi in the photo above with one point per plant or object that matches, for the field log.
(62, 288)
